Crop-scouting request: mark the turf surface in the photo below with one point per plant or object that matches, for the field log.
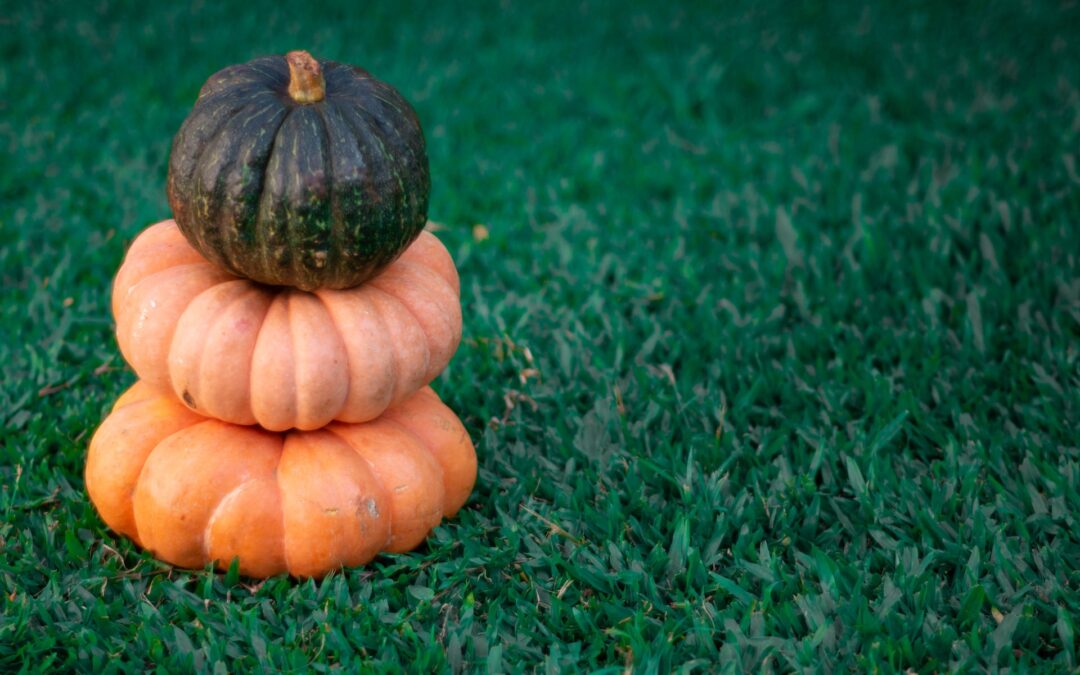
(772, 336)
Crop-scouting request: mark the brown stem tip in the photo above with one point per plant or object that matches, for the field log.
(306, 83)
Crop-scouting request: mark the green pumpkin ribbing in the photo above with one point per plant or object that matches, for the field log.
(293, 212)
(318, 195)
(238, 209)
(221, 206)
(349, 168)
(380, 182)
(409, 187)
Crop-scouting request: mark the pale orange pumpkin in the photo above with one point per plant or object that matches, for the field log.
(192, 490)
(279, 357)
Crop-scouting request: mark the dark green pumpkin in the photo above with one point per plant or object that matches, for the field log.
(297, 172)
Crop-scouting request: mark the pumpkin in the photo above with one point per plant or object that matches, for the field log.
(193, 490)
(280, 357)
(299, 172)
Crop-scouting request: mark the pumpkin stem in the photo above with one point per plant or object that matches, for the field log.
(306, 83)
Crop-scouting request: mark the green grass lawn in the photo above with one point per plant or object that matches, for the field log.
(771, 353)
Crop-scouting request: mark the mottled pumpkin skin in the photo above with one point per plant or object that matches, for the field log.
(283, 358)
(194, 491)
(311, 195)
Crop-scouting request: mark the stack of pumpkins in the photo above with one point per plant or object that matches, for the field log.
(284, 329)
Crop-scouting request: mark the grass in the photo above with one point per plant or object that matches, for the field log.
(771, 355)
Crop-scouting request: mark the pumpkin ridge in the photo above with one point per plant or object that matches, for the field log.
(211, 140)
(251, 356)
(262, 247)
(341, 336)
(421, 442)
(125, 282)
(360, 100)
(230, 495)
(378, 169)
(388, 102)
(224, 315)
(322, 470)
(204, 122)
(433, 254)
(398, 449)
(332, 430)
(428, 282)
(297, 226)
(338, 304)
(314, 372)
(210, 177)
(243, 90)
(253, 384)
(134, 406)
(403, 159)
(182, 168)
(273, 194)
(142, 470)
(351, 199)
(338, 75)
(336, 245)
(292, 341)
(273, 69)
(247, 157)
(382, 124)
(211, 457)
(202, 337)
(175, 270)
(231, 78)
(427, 338)
(134, 352)
(409, 280)
(403, 228)
(409, 148)
(283, 191)
(447, 451)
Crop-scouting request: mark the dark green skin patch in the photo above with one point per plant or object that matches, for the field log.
(317, 195)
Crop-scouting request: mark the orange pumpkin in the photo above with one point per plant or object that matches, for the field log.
(279, 357)
(194, 490)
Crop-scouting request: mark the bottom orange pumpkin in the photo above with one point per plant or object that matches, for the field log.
(192, 490)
